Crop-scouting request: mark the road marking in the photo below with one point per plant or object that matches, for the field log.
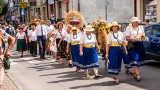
(34, 61)
(13, 63)
(27, 58)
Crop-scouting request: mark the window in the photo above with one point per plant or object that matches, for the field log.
(148, 30)
(156, 30)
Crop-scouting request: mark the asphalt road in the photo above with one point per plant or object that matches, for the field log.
(30, 73)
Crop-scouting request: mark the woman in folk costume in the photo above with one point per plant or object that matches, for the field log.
(63, 44)
(73, 46)
(88, 45)
(59, 31)
(135, 36)
(21, 39)
(115, 42)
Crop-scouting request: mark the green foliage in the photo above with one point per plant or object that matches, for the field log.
(4, 6)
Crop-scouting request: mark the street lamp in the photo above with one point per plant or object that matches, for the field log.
(107, 3)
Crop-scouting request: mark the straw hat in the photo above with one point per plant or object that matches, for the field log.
(20, 27)
(53, 33)
(89, 28)
(109, 25)
(135, 19)
(74, 28)
(115, 24)
(69, 26)
(60, 23)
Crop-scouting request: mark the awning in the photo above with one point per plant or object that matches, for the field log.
(152, 3)
(50, 1)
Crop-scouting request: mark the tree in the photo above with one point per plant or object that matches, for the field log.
(4, 6)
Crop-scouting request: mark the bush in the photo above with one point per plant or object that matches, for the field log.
(4, 6)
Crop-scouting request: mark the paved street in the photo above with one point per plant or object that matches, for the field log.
(33, 74)
(8, 84)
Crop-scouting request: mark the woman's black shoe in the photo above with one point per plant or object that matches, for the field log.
(136, 77)
(97, 76)
(70, 65)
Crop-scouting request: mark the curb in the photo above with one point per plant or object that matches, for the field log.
(13, 80)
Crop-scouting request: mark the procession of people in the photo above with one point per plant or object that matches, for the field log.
(81, 46)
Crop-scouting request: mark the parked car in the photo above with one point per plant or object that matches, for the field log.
(153, 46)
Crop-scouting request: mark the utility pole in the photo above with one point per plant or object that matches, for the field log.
(8, 20)
(72, 5)
(79, 6)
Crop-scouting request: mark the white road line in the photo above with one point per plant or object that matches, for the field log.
(52, 60)
(34, 61)
(13, 63)
(27, 58)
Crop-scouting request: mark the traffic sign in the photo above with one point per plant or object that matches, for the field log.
(16, 5)
(22, 4)
(0, 9)
(32, 3)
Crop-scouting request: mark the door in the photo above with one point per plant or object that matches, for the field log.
(155, 42)
(149, 34)
(44, 13)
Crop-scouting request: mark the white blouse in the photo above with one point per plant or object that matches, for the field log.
(74, 38)
(65, 35)
(32, 35)
(135, 34)
(90, 40)
(40, 29)
(59, 34)
(52, 40)
(117, 38)
(49, 28)
(21, 36)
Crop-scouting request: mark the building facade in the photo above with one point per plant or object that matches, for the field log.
(148, 9)
(110, 10)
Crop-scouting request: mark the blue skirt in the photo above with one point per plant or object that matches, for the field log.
(137, 54)
(75, 54)
(126, 61)
(115, 60)
(89, 58)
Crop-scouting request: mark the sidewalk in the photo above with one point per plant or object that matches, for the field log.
(8, 84)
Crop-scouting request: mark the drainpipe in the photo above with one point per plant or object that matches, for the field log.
(55, 11)
(135, 8)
